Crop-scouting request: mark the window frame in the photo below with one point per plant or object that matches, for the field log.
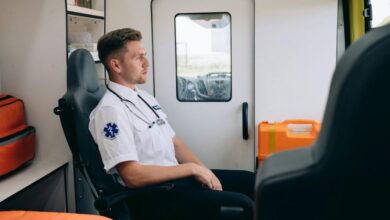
(231, 56)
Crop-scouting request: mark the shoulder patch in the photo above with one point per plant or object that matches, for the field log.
(111, 130)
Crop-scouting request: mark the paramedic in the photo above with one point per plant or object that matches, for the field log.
(139, 147)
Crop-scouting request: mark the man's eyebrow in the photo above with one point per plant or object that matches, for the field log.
(139, 54)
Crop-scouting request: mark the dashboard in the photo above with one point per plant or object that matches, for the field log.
(215, 86)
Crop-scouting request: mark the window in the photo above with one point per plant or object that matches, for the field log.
(380, 12)
(203, 57)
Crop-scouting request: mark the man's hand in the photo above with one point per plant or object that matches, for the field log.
(206, 177)
(203, 175)
(216, 183)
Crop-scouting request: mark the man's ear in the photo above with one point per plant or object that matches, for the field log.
(115, 65)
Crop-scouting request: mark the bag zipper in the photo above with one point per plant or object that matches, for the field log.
(6, 97)
(20, 134)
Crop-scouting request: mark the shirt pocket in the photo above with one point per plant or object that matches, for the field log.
(142, 136)
(140, 125)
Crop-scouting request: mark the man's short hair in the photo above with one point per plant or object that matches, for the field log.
(114, 42)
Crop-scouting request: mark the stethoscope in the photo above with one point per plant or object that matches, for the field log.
(159, 120)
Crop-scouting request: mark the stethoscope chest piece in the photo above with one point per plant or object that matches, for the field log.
(160, 121)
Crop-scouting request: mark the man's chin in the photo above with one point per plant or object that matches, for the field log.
(141, 81)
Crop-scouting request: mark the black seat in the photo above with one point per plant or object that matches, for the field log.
(83, 94)
(346, 173)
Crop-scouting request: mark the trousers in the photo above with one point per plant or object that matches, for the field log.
(188, 200)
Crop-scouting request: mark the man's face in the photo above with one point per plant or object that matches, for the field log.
(134, 64)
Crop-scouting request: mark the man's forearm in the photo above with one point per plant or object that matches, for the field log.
(137, 175)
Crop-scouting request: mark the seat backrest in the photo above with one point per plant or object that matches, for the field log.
(354, 138)
(83, 94)
(346, 173)
(353, 146)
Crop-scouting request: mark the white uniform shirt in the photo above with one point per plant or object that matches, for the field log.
(121, 134)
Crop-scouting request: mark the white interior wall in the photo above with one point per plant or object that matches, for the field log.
(295, 57)
(295, 52)
(33, 67)
(134, 14)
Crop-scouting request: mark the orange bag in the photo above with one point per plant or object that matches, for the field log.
(34, 215)
(276, 137)
(17, 140)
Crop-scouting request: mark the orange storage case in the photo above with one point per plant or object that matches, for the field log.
(17, 139)
(276, 137)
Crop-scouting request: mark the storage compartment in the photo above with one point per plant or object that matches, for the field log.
(85, 25)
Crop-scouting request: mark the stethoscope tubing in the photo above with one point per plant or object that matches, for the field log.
(124, 100)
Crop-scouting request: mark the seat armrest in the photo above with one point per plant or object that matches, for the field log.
(283, 164)
(279, 184)
(232, 213)
(105, 202)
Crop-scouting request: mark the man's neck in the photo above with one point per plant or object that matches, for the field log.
(124, 83)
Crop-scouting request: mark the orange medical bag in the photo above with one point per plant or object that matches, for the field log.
(289, 134)
(34, 215)
(17, 140)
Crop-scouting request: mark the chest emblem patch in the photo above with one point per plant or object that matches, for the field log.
(156, 107)
(111, 130)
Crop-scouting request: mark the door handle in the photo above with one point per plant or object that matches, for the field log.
(245, 129)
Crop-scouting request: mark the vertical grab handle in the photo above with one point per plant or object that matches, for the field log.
(245, 129)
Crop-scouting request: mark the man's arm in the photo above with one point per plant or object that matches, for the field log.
(184, 155)
(136, 175)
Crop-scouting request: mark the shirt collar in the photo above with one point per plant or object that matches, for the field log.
(123, 91)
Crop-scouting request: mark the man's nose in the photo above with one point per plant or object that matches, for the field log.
(146, 62)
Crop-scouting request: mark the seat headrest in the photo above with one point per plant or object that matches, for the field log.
(82, 71)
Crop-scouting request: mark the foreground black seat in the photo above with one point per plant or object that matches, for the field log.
(346, 173)
(83, 94)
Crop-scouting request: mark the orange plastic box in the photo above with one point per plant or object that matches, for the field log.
(289, 134)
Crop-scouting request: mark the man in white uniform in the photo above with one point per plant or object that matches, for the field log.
(136, 142)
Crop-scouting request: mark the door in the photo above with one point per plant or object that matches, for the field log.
(204, 73)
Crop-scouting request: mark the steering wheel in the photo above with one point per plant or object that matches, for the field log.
(186, 89)
(217, 86)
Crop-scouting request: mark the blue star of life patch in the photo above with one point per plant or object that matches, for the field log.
(111, 130)
(156, 107)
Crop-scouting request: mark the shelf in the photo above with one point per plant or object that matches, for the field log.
(28, 175)
(87, 12)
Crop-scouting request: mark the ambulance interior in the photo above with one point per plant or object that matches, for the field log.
(247, 84)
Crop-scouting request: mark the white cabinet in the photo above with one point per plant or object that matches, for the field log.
(37, 186)
(85, 25)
